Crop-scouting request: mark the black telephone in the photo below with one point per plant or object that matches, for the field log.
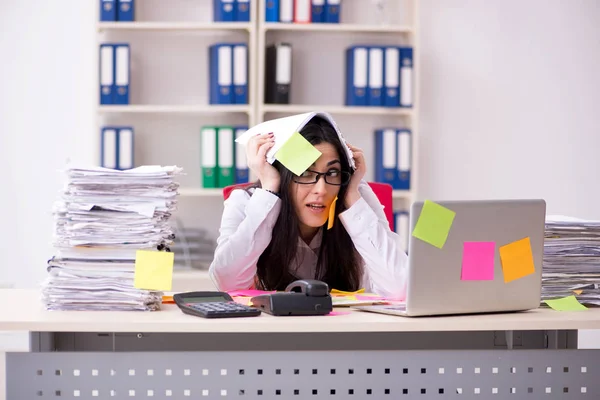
(301, 297)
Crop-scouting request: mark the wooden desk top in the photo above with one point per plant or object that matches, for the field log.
(22, 310)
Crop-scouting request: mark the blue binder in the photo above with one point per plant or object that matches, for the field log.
(376, 73)
(404, 159)
(239, 153)
(109, 147)
(126, 10)
(385, 156)
(318, 11)
(125, 148)
(122, 73)
(406, 77)
(391, 77)
(242, 11)
(332, 11)
(223, 10)
(107, 73)
(240, 73)
(401, 227)
(108, 10)
(357, 72)
(271, 10)
(221, 73)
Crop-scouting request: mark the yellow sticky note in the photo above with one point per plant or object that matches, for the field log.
(343, 292)
(578, 292)
(517, 260)
(297, 154)
(331, 214)
(569, 303)
(434, 223)
(153, 270)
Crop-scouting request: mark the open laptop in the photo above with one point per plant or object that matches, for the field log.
(434, 284)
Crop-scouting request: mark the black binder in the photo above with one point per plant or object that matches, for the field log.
(278, 73)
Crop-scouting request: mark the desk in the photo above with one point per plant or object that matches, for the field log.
(167, 354)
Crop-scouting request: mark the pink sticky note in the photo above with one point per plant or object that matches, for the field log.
(334, 313)
(478, 261)
(248, 293)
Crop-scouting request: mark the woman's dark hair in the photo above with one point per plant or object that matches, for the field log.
(338, 261)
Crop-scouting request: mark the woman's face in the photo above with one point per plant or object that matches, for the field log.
(313, 200)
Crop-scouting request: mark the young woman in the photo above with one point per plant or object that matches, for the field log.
(276, 232)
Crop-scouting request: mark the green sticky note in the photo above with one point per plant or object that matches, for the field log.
(297, 154)
(569, 303)
(434, 223)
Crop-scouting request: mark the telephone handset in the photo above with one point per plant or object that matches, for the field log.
(301, 297)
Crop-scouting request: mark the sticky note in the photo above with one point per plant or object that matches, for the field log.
(153, 270)
(249, 292)
(569, 303)
(330, 220)
(578, 291)
(297, 154)
(517, 260)
(434, 223)
(478, 261)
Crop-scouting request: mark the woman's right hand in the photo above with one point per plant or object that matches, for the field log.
(256, 153)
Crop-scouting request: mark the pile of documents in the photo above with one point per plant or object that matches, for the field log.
(103, 217)
(571, 259)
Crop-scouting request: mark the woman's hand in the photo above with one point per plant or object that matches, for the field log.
(256, 153)
(352, 193)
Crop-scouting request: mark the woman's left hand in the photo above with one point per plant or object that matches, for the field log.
(352, 194)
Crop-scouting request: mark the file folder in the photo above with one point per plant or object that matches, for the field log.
(108, 10)
(391, 79)
(278, 71)
(385, 156)
(332, 11)
(403, 141)
(243, 11)
(209, 157)
(302, 11)
(125, 148)
(221, 71)
(223, 10)
(271, 10)
(240, 73)
(239, 153)
(375, 76)
(121, 93)
(126, 10)
(225, 158)
(406, 77)
(286, 11)
(318, 11)
(401, 228)
(107, 73)
(356, 75)
(108, 148)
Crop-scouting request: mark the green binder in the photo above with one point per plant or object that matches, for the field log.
(209, 166)
(225, 159)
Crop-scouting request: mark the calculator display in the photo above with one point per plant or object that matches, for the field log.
(203, 299)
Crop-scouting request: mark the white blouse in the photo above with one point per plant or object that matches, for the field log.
(246, 229)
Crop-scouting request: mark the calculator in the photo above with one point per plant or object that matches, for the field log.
(212, 305)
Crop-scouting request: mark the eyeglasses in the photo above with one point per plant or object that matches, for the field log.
(332, 177)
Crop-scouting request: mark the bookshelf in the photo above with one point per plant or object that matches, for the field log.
(169, 84)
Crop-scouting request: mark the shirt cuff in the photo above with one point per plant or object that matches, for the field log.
(358, 218)
(262, 202)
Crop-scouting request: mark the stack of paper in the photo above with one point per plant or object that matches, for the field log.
(571, 259)
(102, 219)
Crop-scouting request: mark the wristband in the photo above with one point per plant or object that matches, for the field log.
(275, 193)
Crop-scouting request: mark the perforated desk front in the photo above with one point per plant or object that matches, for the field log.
(166, 354)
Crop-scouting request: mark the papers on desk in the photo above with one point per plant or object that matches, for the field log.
(102, 219)
(571, 259)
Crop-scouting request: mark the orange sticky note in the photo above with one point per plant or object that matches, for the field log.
(153, 270)
(331, 214)
(517, 260)
(578, 292)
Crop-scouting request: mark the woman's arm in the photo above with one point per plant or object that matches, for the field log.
(381, 249)
(246, 229)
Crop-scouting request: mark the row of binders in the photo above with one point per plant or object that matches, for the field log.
(116, 147)
(231, 10)
(393, 157)
(114, 73)
(379, 76)
(117, 10)
(222, 163)
(303, 11)
(228, 73)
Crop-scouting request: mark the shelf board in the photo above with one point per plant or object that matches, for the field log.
(176, 109)
(200, 192)
(173, 26)
(277, 26)
(340, 110)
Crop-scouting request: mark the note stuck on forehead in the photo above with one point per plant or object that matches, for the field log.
(434, 223)
(297, 154)
(517, 260)
(153, 270)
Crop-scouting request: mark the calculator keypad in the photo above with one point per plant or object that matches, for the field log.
(221, 307)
